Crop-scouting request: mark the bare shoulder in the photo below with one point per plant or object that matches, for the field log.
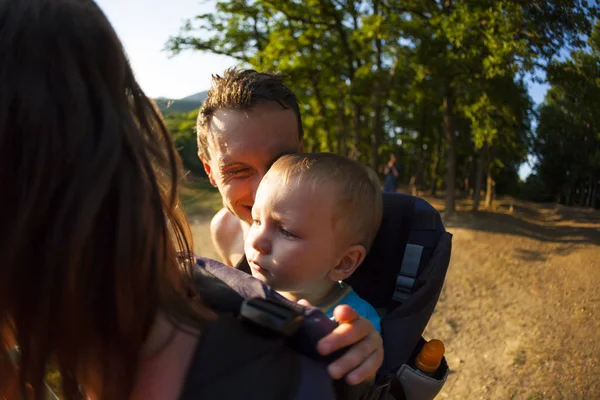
(226, 233)
(163, 368)
(224, 225)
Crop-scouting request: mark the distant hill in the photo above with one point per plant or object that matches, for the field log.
(186, 104)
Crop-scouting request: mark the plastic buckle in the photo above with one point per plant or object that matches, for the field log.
(271, 315)
(404, 287)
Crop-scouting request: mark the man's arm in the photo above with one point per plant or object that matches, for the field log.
(227, 237)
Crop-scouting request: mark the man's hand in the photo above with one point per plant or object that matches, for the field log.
(364, 358)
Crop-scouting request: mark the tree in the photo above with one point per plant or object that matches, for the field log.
(567, 141)
(182, 128)
(436, 79)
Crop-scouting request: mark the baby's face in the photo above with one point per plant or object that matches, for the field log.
(291, 244)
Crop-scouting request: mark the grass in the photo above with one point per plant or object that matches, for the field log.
(520, 358)
(198, 197)
(536, 396)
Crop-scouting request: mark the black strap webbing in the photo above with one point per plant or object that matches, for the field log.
(243, 265)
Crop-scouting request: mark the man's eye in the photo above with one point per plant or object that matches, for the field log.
(236, 172)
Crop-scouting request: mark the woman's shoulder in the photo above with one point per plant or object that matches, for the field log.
(165, 360)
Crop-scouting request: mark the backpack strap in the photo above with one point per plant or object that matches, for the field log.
(423, 235)
(243, 265)
(236, 360)
(388, 247)
(226, 290)
(264, 314)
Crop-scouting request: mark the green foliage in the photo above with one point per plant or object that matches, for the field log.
(183, 128)
(430, 80)
(567, 140)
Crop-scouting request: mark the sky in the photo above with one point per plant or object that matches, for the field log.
(144, 26)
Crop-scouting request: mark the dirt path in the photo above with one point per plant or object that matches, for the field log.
(519, 310)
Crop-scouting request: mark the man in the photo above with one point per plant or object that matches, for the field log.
(247, 121)
(391, 175)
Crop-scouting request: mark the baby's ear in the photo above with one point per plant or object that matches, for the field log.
(350, 260)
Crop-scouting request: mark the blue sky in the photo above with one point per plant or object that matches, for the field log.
(144, 26)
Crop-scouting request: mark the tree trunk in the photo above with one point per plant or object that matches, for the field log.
(479, 177)
(377, 134)
(448, 105)
(379, 94)
(435, 161)
(489, 191)
(322, 113)
(422, 156)
(342, 146)
(582, 196)
(594, 192)
(588, 200)
(355, 151)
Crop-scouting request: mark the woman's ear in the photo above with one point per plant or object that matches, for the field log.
(348, 263)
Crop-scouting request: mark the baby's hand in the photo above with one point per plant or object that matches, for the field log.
(365, 355)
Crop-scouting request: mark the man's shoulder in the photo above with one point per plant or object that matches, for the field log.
(224, 221)
(226, 232)
(224, 226)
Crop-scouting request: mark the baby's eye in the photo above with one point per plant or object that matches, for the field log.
(287, 233)
(255, 222)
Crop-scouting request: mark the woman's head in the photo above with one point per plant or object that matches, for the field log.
(89, 224)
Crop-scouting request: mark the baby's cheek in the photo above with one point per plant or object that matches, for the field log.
(287, 281)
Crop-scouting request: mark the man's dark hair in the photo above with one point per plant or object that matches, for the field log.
(242, 90)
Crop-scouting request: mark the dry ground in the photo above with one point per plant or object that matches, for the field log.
(519, 310)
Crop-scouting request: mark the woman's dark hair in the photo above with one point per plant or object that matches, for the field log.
(90, 227)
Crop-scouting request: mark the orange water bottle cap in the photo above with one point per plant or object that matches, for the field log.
(430, 356)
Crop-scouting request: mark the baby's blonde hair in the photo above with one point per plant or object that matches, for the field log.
(356, 190)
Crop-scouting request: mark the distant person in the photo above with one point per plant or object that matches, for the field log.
(314, 219)
(390, 183)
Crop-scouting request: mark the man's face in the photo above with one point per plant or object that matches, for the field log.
(242, 145)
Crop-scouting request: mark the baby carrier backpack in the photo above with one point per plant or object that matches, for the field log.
(402, 277)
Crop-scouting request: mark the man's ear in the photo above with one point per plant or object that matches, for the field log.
(350, 260)
(208, 170)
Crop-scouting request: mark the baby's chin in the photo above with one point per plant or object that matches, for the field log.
(259, 276)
